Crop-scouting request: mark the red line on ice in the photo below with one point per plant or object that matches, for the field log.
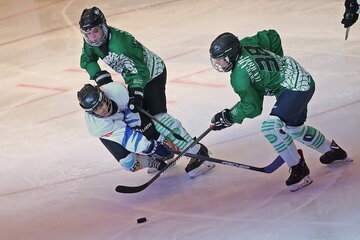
(30, 10)
(67, 26)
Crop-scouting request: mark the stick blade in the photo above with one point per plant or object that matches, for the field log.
(130, 189)
(136, 189)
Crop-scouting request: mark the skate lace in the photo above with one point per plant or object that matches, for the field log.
(154, 163)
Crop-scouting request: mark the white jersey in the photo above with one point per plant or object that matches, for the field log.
(118, 127)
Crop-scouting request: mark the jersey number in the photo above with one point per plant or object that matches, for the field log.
(264, 63)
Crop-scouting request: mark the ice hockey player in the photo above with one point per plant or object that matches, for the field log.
(108, 118)
(351, 13)
(144, 73)
(258, 68)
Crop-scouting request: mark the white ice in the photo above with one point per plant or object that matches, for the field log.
(57, 182)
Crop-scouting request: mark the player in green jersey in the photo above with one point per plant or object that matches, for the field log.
(144, 73)
(259, 68)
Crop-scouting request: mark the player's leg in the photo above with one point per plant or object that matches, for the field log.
(294, 112)
(272, 129)
(290, 109)
(132, 161)
(155, 103)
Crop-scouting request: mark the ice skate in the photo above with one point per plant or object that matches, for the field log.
(335, 154)
(156, 164)
(167, 142)
(196, 167)
(153, 165)
(299, 176)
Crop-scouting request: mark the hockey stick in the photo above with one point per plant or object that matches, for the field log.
(177, 136)
(267, 169)
(135, 189)
(347, 33)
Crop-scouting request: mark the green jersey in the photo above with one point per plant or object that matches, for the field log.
(262, 69)
(125, 55)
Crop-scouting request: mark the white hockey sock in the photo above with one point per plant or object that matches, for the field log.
(281, 141)
(175, 126)
(310, 137)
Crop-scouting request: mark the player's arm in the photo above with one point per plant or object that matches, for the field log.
(88, 61)
(251, 100)
(136, 78)
(268, 39)
(118, 131)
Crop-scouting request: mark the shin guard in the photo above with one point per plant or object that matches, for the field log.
(272, 129)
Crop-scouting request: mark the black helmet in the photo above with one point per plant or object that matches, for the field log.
(90, 97)
(90, 18)
(227, 47)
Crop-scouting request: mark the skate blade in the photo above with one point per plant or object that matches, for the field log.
(304, 182)
(348, 160)
(152, 170)
(197, 172)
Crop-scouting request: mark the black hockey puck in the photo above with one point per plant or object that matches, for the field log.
(141, 220)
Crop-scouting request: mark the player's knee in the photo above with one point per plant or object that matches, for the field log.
(130, 162)
(168, 121)
(272, 124)
(302, 133)
(295, 131)
(271, 128)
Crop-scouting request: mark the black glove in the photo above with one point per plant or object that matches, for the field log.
(102, 78)
(350, 16)
(158, 150)
(135, 99)
(221, 120)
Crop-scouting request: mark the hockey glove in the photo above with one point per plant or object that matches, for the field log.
(135, 99)
(221, 120)
(350, 16)
(157, 150)
(102, 78)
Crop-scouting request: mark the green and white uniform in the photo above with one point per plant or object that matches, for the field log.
(125, 55)
(262, 69)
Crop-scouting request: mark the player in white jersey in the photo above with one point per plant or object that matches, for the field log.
(108, 118)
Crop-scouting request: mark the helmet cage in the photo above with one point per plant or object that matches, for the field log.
(102, 40)
(91, 18)
(226, 65)
(91, 98)
(109, 107)
(224, 52)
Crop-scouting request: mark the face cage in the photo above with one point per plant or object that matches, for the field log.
(103, 38)
(218, 67)
(109, 105)
(102, 98)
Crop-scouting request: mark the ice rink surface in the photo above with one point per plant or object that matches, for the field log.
(57, 182)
